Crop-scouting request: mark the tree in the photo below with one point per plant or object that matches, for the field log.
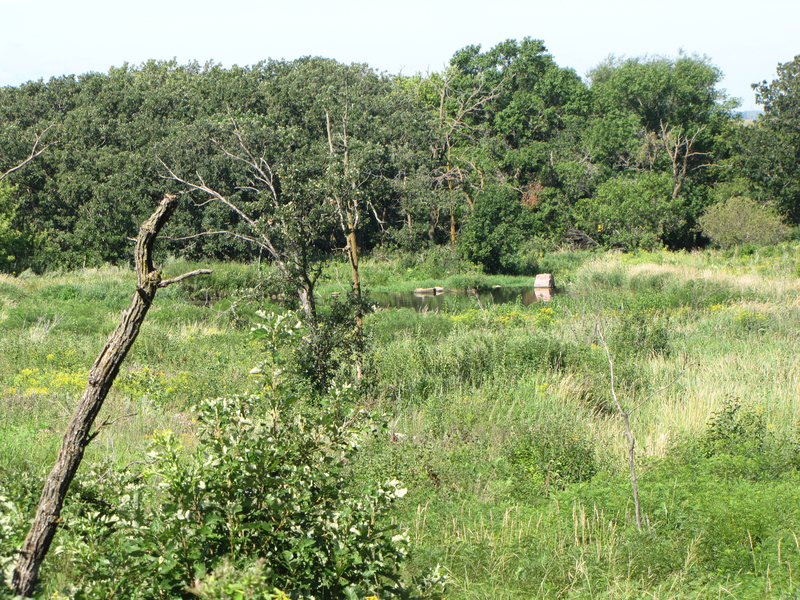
(741, 220)
(11, 238)
(771, 148)
(657, 114)
(496, 230)
(461, 100)
(631, 212)
(365, 124)
(101, 377)
(533, 101)
(314, 167)
(514, 114)
(113, 126)
(282, 220)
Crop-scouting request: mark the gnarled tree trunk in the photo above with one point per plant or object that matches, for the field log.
(101, 377)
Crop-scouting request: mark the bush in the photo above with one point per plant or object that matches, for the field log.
(496, 230)
(436, 262)
(229, 583)
(739, 221)
(631, 212)
(18, 498)
(259, 484)
(735, 429)
(550, 454)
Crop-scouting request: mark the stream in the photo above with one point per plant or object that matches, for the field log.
(458, 300)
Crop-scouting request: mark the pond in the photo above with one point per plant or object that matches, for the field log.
(458, 300)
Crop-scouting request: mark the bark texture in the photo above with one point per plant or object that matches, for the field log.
(101, 377)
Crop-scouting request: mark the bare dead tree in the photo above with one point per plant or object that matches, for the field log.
(292, 257)
(101, 377)
(626, 420)
(680, 149)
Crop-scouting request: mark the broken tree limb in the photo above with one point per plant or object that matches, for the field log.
(35, 151)
(101, 377)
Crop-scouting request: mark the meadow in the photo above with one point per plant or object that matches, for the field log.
(498, 420)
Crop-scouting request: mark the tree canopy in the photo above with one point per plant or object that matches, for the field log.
(410, 156)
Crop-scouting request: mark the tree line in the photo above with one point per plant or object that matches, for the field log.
(500, 153)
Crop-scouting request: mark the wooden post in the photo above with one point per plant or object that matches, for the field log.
(101, 377)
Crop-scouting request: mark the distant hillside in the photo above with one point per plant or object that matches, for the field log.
(750, 115)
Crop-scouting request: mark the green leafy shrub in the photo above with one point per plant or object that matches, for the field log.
(257, 485)
(19, 494)
(496, 230)
(330, 345)
(734, 429)
(631, 212)
(739, 221)
(227, 582)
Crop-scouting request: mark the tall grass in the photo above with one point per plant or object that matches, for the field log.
(499, 418)
(54, 326)
(469, 398)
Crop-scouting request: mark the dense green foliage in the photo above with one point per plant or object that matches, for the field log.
(741, 221)
(404, 161)
(11, 239)
(631, 212)
(496, 231)
(769, 151)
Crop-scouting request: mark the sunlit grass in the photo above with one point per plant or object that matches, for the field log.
(467, 392)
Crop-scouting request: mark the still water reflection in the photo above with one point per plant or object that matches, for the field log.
(455, 300)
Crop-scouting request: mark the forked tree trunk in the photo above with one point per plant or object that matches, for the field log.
(100, 379)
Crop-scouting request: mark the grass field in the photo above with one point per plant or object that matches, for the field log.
(499, 419)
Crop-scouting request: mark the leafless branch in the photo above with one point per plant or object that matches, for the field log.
(35, 151)
(264, 241)
(241, 236)
(106, 423)
(377, 218)
(166, 282)
(680, 148)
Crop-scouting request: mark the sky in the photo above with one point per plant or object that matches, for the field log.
(45, 38)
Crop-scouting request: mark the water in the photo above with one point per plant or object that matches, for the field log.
(458, 300)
